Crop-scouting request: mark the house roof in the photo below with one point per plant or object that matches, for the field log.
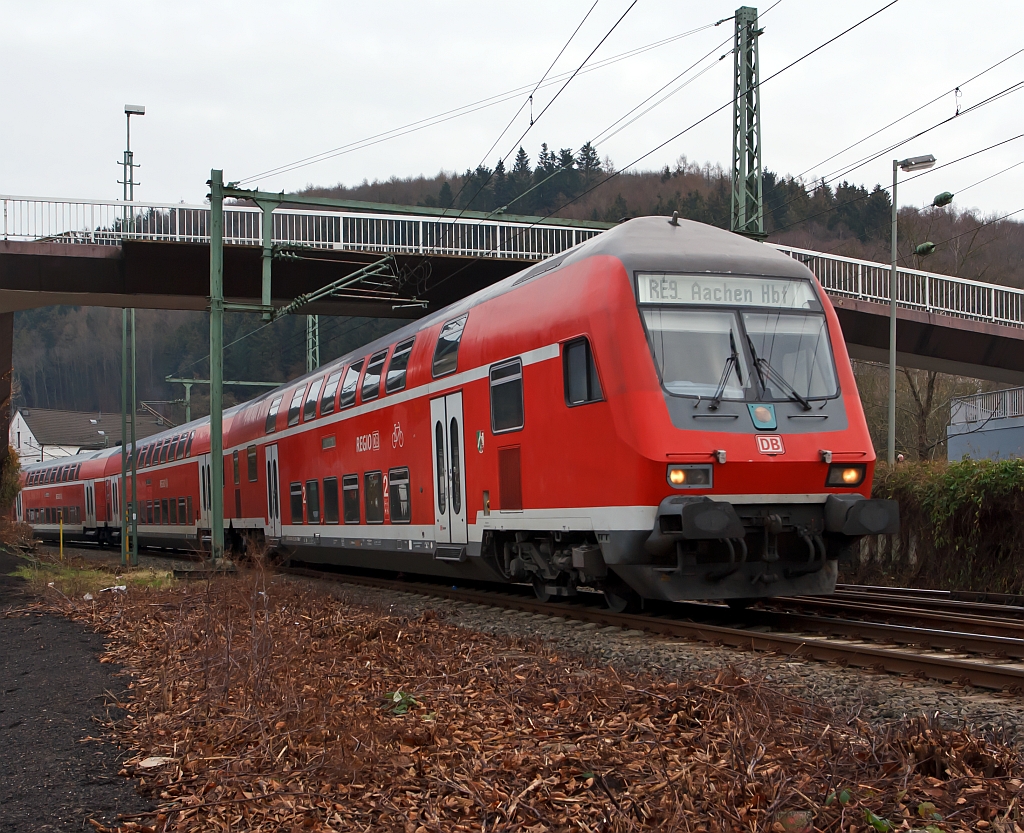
(85, 429)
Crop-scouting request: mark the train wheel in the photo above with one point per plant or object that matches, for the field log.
(620, 597)
(540, 589)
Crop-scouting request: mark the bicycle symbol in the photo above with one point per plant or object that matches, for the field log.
(397, 437)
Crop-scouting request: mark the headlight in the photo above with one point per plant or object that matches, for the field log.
(689, 477)
(845, 474)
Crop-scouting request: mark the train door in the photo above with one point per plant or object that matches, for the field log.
(205, 500)
(449, 469)
(107, 503)
(273, 494)
(90, 504)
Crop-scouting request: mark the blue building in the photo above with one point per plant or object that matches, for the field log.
(987, 426)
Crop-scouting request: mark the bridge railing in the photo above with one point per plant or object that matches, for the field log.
(925, 291)
(981, 407)
(109, 223)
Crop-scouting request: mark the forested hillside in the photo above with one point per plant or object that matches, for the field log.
(70, 357)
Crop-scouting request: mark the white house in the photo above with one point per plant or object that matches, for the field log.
(40, 434)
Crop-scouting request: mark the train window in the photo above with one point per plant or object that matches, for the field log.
(250, 455)
(295, 406)
(330, 392)
(331, 500)
(309, 409)
(149, 512)
(446, 353)
(296, 496)
(188, 510)
(62, 472)
(507, 397)
(275, 406)
(313, 501)
(164, 448)
(182, 442)
(348, 387)
(234, 467)
(165, 512)
(373, 482)
(174, 510)
(181, 510)
(371, 379)
(350, 498)
(440, 466)
(453, 435)
(395, 380)
(398, 496)
(581, 382)
(188, 445)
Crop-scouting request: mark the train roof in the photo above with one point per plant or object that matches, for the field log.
(642, 244)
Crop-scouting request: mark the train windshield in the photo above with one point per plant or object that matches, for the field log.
(724, 354)
(698, 352)
(792, 351)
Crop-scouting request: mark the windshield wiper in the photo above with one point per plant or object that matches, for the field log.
(766, 372)
(731, 363)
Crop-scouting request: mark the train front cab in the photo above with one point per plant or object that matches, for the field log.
(766, 459)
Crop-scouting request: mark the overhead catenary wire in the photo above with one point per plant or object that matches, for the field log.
(467, 109)
(677, 135)
(911, 113)
(554, 98)
(867, 160)
(908, 179)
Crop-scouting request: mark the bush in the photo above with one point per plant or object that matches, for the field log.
(10, 479)
(959, 527)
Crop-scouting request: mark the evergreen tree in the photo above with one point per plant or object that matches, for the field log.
(521, 179)
(588, 163)
(444, 197)
(501, 186)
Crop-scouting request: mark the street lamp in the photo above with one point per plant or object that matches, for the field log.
(914, 163)
(129, 166)
(129, 195)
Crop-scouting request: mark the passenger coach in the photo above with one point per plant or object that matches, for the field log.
(665, 411)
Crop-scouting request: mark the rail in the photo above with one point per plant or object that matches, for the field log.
(110, 222)
(982, 407)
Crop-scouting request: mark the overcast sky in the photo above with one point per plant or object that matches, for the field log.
(249, 86)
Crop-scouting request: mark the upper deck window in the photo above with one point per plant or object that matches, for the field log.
(296, 405)
(275, 406)
(348, 387)
(309, 409)
(395, 380)
(330, 391)
(446, 353)
(371, 379)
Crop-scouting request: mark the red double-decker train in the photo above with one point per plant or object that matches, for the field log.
(664, 411)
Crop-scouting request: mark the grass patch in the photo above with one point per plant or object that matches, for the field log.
(76, 578)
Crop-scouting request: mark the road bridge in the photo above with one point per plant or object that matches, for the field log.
(150, 255)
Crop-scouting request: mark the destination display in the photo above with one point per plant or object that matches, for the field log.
(725, 290)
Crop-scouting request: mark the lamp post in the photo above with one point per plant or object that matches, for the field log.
(914, 163)
(129, 195)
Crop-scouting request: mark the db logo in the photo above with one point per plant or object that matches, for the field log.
(770, 444)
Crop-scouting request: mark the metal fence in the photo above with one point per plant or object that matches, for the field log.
(97, 221)
(925, 291)
(981, 407)
(108, 223)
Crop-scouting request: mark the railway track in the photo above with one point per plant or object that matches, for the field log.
(930, 634)
(976, 659)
